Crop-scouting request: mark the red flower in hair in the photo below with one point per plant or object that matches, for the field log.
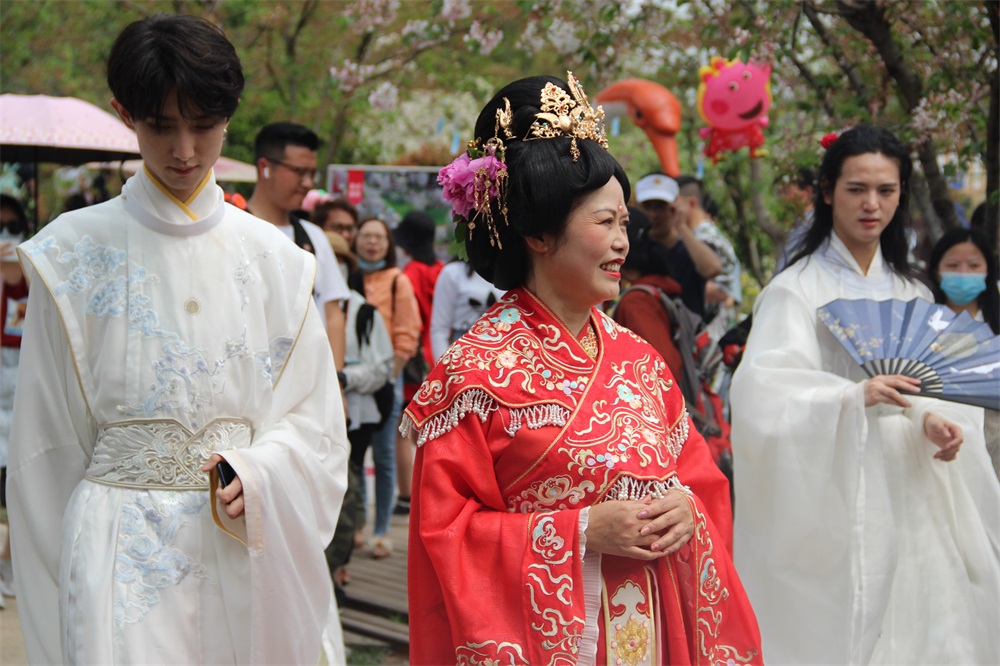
(828, 140)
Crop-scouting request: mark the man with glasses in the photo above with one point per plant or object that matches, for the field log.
(286, 171)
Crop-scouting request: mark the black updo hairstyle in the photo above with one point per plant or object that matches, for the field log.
(860, 140)
(544, 183)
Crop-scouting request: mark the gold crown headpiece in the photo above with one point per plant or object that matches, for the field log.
(485, 165)
(569, 115)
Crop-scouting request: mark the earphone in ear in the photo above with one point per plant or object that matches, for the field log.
(267, 172)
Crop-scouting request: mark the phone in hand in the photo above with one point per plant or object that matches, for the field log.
(226, 473)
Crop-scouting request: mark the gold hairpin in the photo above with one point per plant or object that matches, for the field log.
(566, 115)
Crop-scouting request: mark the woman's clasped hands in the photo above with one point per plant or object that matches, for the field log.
(641, 529)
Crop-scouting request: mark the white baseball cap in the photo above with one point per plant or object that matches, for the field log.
(656, 187)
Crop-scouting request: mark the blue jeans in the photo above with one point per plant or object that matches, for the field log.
(384, 456)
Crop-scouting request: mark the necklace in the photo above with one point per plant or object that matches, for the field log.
(589, 341)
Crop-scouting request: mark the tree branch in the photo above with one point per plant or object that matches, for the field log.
(857, 85)
(869, 19)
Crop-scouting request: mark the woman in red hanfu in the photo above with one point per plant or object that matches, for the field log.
(565, 510)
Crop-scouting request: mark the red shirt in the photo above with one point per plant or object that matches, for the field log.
(424, 278)
(13, 295)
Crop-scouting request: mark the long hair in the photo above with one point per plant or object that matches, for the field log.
(544, 183)
(861, 140)
(989, 300)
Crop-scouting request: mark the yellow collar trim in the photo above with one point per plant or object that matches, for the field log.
(183, 205)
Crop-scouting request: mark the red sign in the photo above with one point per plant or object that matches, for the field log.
(355, 186)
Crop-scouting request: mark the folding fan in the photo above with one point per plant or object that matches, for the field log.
(954, 356)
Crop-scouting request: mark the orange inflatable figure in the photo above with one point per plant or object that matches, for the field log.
(654, 109)
(734, 99)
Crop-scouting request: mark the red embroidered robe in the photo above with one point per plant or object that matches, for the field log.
(518, 430)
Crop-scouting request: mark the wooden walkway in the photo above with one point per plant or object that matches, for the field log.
(376, 594)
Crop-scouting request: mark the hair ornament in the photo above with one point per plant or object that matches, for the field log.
(474, 180)
(568, 114)
(828, 140)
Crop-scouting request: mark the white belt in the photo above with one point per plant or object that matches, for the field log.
(162, 454)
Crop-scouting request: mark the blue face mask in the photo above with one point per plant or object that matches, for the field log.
(963, 288)
(370, 266)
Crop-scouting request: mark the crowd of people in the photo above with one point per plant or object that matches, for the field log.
(203, 385)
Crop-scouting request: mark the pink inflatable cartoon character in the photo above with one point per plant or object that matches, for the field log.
(734, 99)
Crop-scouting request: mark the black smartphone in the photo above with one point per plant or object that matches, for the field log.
(226, 473)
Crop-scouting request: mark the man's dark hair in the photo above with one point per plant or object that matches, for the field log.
(805, 177)
(166, 52)
(689, 186)
(7, 201)
(860, 140)
(323, 210)
(272, 139)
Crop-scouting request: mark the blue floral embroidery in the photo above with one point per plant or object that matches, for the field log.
(567, 386)
(109, 300)
(147, 560)
(184, 379)
(41, 246)
(508, 316)
(625, 393)
(93, 263)
(272, 362)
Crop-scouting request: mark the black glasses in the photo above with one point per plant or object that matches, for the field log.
(14, 226)
(302, 172)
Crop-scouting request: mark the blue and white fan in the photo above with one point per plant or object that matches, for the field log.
(954, 356)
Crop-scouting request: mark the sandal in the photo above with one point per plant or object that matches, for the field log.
(381, 547)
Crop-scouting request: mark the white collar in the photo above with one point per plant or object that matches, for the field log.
(157, 209)
(834, 256)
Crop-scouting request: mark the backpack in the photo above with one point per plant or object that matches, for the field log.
(700, 357)
(364, 322)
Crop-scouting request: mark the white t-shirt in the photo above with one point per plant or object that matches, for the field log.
(330, 285)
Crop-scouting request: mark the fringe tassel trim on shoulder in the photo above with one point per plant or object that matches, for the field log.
(481, 403)
(537, 416)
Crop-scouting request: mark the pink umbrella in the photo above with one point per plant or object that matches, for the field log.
(65, 130)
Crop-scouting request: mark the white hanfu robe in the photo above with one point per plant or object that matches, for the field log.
(855, 544)
(159, 332)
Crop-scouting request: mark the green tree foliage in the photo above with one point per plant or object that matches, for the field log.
(396, 81)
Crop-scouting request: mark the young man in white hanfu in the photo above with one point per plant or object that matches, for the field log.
(167, 331)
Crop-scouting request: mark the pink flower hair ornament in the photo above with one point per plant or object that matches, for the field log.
(828, 140)
(472, 181)
(478, 176)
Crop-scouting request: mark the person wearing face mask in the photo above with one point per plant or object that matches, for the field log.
(964, 275)
(389, 289)
(866, 529)
(13, 299)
